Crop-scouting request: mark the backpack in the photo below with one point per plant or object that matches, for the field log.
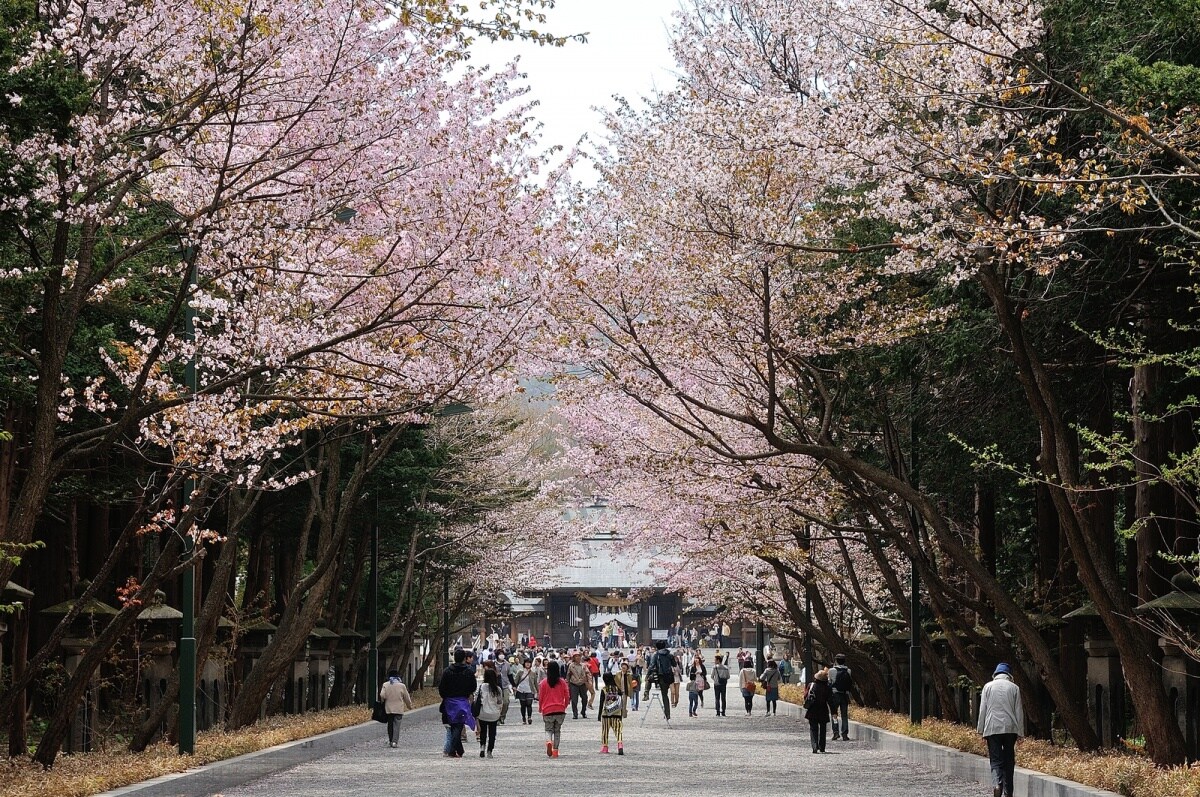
(664, 666)
(841, 679)
(611, 707)
(721, 674)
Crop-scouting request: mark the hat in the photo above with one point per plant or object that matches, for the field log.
(840, 658)
(1002, 668)
(822, 675)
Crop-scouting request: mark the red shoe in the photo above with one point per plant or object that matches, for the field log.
(555, 754)
(549, 748)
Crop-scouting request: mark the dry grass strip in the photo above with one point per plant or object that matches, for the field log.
(1121, 771)
(91, 773)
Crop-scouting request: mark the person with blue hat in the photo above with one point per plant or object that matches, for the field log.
(1001, 721)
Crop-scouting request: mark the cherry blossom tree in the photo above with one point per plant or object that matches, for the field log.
(354, 228)
(819, 182)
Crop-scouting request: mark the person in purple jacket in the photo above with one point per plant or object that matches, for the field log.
(456, 686)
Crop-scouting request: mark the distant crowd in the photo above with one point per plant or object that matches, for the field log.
(478, 688)
(611, 680)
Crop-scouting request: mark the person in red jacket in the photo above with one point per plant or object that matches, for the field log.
(553, 697)
(593, 665)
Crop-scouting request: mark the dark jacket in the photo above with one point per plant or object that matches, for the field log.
(663, 664)
(457, 681)
(819, 713)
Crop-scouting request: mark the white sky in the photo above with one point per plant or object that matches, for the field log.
(626, 54)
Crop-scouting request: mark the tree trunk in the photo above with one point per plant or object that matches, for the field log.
(18, 744)
(332, 510)
(257, 596)
(1155, 505)
(866, 668)
(985, 525)
(1049, 535)
(1074, 715)
(1164, 740)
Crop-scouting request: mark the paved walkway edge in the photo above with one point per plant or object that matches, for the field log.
(227, 773)
(971, 767)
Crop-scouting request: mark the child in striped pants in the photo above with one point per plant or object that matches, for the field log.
(612, 713)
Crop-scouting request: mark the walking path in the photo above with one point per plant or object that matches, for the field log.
(760, 756)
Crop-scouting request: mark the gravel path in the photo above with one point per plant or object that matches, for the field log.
(730, 756)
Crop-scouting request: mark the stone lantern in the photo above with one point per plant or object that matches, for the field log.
(213, 692)
(252, 641)
(81, 636)
(349, 642)
(295, 691)
(158, 625)
(1181, 673)
(897, 642)
(1105, 682)
(323, 641)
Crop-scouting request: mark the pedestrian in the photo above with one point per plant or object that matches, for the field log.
(747, 678)
(627, 681)
(697, 683)
(816, 709)
(637, 673)
(613, 699)
(546, 640)
(593, 665)
(525, 684)
(770, 680)
(676, 676)
(503, 671)
(578, 679)
(720, 674)
(660, 670)
(785, 671)
(539, 673)
(553, 697)
(395, 698)
(456, 686)
(1001, 721)
(491, 699)
(841, 681)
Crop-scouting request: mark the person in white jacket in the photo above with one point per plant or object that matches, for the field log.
(1001, 721)
(396, 698)
(493, 700)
